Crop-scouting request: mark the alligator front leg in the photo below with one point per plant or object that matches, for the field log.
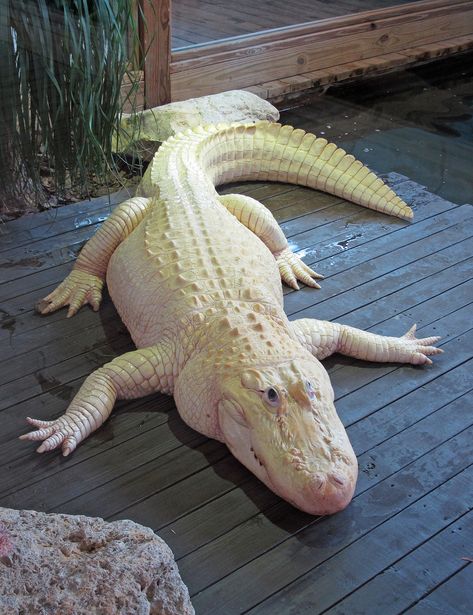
(258, 219)
(134, 374)
(85, 282)
(323, 338)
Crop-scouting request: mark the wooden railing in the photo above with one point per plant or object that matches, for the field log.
(288, 52)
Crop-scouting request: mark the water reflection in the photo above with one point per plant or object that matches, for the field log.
(418, 123)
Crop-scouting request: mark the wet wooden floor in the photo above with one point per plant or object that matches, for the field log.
(402, 543)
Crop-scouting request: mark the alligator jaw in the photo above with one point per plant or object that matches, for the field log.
(300, 450)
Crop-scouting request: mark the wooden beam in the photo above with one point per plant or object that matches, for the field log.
(286, 52)
(155, 39)
(289, 89)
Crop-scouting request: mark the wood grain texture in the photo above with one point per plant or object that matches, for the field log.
(317, 47)
(155, 38)
(310, 18)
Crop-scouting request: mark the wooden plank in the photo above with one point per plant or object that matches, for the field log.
(44, 254)
(279, 91)
(43, 225)
(400, 9)
(210, 21)
(452, 597)
(355, 376)
(168, 500)
(155, 41)
(318, 590)
(41, 348)
(158, 461)
(439, 49)
(354, 406)
(295, 555)
(127, 421)
(11, 257)
(59, 375)
(23, 229)
(419, 572)
(362, 230)
(350, 240)
(217, 69)
(340, 300)
(17, 311)
(411, 407)
(284, 206)
(403, 298)
(133, 97)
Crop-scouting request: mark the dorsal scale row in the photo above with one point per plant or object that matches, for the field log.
(271, 152)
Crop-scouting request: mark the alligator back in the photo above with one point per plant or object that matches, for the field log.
(190, 252)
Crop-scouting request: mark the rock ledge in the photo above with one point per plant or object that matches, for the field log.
(51, 563)
(141, 133)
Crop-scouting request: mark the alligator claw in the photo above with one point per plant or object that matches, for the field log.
(293, 268)
(63, 432)
(77, 289)
(420, 349)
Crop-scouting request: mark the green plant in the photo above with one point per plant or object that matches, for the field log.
(62, 64)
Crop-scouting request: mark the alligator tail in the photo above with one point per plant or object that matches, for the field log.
(271, 152)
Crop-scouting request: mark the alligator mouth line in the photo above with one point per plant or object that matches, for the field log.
(257, 458)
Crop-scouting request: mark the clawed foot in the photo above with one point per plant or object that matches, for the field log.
(419, 349)
(292, 268)
(77, 289)
(63, 432)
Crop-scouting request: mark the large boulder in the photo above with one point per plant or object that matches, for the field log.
(140, 134)
(75, 565)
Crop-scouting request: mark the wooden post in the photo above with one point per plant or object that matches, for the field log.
(155, 39)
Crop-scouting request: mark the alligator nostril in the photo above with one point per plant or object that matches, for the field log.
(336, 478)
(317, 482)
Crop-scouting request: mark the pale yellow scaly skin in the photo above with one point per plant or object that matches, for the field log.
(196, 278)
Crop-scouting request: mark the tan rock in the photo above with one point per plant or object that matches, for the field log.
(75, 565)
(142, 133)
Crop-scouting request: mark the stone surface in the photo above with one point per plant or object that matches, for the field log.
(154, 126)
(66, 564)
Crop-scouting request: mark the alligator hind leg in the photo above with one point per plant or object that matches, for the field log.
(85, 282)
(258, 219)
(134, 374)
(323, 338)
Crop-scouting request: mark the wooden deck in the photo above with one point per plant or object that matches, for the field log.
(402, 543)
(201, 21)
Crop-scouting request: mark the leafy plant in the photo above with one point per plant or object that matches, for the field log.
(62, 65)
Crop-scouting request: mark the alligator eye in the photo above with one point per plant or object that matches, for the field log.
(310, 390)
(271, 397)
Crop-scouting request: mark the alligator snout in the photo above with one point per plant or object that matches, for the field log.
(325, 494)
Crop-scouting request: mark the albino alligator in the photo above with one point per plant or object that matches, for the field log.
(196, 279)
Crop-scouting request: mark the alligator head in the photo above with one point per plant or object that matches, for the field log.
(280, 422)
